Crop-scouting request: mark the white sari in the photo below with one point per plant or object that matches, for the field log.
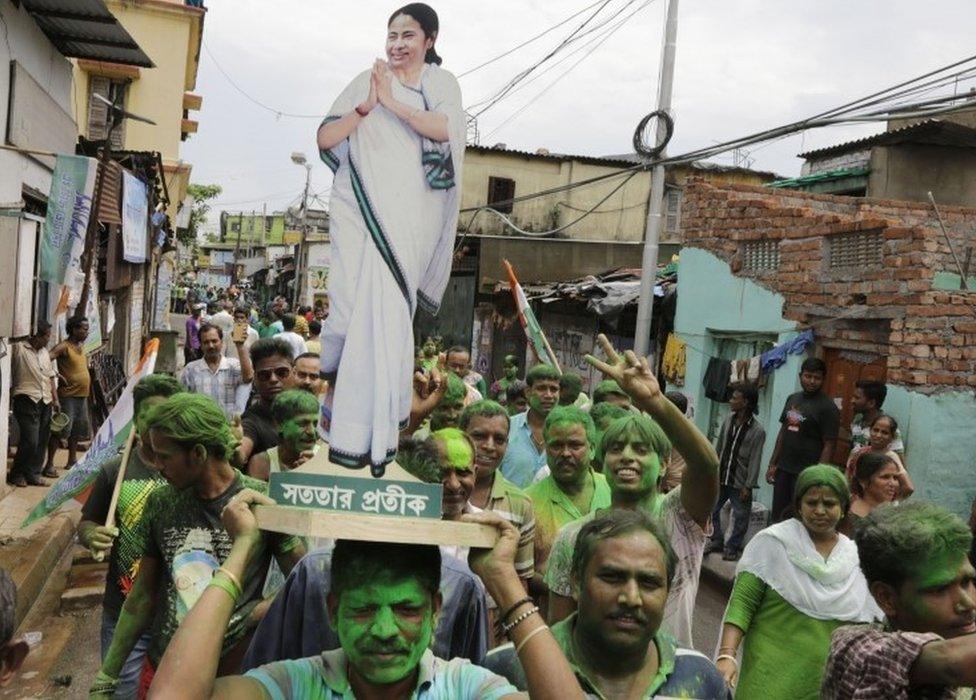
(393, 220)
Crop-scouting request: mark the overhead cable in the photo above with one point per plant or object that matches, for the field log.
(527, 41)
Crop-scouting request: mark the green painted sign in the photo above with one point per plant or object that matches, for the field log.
(356, 494)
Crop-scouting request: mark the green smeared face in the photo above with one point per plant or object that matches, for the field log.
(631, 465)
(384, 628)
(941, 598)
(299, 433)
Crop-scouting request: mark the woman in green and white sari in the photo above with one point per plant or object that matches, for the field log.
(797, 581)
(395, 139)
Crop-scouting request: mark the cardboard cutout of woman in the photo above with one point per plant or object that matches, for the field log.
(395, 140)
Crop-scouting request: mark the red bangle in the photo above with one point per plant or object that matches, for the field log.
(362, 114)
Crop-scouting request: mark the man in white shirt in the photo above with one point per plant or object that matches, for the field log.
(241, 315)
(223, 379)
(223, 318)
(289, 335)
(35, 399)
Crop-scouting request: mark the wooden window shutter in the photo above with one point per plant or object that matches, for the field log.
(97, 110)
(118, 135)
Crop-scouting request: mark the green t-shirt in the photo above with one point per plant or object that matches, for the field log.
(185, 535)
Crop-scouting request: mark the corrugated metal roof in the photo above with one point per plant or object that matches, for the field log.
(839, 174)
(545, 155)
(933, 132)
(86, 29)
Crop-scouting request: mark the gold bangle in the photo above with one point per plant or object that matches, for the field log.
(233, 579)
(529, 636)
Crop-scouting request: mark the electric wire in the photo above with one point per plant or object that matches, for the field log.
(596, 43)
(527, 41)
(526, 83)
(573, 36)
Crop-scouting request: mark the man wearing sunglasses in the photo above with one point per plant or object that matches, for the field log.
(272, 360)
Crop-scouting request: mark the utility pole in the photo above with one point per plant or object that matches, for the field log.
(300, 272)
(655, 218)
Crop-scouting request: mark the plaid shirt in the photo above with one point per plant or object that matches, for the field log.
(223, 386)
(866, 662)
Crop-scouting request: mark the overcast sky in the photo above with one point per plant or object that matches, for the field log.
(742, 66)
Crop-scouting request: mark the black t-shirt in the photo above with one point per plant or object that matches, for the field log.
(259, 426)
(185, 535)
(807, 422)
(123, 562)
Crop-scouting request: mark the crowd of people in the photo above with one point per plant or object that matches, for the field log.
(606, 503)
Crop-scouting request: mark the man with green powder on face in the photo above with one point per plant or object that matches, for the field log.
(295, 412)
(185, 541)
(572, 489)
(633, 449)
(298, 623)
(526, 453)
(384, 603)
(123, 543)
(914, 557)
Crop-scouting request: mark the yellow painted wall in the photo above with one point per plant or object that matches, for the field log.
(621, 218)
(168, 33)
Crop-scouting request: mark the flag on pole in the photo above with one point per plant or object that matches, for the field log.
(533, 331)
(107, 443)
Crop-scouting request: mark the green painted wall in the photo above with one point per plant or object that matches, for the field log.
(939, 430)
(256, 223)
(940, 443)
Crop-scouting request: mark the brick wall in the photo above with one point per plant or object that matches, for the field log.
(888, 308)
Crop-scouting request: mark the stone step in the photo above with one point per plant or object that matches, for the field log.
(82, 598)
(85, 586)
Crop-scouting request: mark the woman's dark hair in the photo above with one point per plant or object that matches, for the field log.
(427, 19)
(891, 421)
(867, 465)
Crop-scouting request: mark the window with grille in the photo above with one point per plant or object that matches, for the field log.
(855, 250)
(672, 211)
(99, 117)
(501, 190)
(760, 255)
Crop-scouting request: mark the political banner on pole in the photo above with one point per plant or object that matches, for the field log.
(135, 218)
(69, 207)
(107, 444)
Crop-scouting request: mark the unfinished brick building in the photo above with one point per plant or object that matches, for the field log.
(877, 282)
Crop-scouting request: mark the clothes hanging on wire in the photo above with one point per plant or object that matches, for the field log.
(673, 361)
(776, 357)
(716, 379)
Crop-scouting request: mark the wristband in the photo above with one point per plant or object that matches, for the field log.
(233, 579)
(518, 621)
(103, 684)
(729, 657)
(361, 114)
(225, 585)
(514, 607)
(529, 636)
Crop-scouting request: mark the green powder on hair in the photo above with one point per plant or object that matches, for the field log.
(456, 447)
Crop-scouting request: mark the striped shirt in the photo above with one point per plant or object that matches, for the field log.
(324, 677)
(513, 505)
(222, 386)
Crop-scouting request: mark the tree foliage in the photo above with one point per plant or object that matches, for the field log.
(202, 194)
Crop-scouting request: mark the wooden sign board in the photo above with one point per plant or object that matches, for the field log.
(323, 499)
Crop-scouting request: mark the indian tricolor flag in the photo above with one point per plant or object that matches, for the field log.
(533, 331)
(108, 443)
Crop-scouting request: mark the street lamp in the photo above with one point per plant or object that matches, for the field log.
(298, 158)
